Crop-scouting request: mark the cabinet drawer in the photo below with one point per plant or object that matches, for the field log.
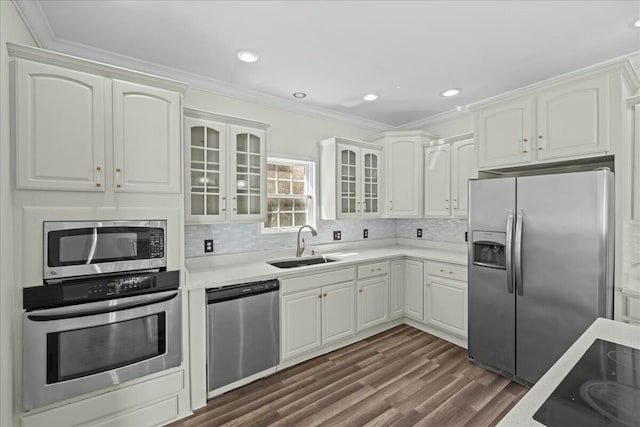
(375, 269)
(316, 280)
(450, 271)
(156, 414)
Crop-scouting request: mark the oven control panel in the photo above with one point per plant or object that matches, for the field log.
(122, 286)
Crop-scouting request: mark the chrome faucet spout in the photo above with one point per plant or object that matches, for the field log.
(300, 242)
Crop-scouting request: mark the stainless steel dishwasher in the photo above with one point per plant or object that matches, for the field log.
(243, 331)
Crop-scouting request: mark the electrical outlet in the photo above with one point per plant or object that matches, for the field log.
(208, 245)
(365, 234)
(337, 235)
(419, 232)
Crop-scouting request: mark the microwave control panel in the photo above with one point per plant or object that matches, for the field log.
(156, 243)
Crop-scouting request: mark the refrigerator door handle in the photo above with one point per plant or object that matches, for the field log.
(518, 252)
(508, 250)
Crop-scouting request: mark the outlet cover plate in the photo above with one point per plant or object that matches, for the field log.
(337, 235)
(208, 246)
(419, 232)
(365, 233)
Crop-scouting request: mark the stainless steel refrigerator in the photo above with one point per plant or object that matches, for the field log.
(540, 267)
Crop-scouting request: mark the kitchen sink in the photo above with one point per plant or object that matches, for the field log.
(301, 262)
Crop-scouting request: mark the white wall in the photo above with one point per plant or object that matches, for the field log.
(12, 29)
(291, 134)
(460, 125)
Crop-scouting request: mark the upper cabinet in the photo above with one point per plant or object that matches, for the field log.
(403, 154)
(350, 179)
(146, 138)
(225, 168)
(447, 170)
(59, 112)
(564, 119)
(70, 108)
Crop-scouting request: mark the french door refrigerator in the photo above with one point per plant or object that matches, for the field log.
(540, 267)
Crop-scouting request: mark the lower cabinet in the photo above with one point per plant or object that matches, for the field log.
(445, 304)
(312, 318)
(413, 292)
(373, 302)
(396, 289)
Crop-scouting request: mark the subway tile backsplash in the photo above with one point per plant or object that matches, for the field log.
(235, 238)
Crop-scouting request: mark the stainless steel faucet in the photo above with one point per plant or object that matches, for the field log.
(300, 246)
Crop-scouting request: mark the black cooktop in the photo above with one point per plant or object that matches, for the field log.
(602, 389)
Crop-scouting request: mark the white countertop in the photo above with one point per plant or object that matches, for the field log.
(243, 268)
(609, 330)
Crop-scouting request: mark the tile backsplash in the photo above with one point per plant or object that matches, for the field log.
(235, 238)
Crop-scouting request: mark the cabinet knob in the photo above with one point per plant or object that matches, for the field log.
(324, 295)
(320, 296)
(525, 140)
(428, 284)
(360, 291)
(98, 168)
(524, 151)
(540, 148)
(98, 184)
(540, 136)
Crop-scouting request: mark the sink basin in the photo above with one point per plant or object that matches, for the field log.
(300, 262)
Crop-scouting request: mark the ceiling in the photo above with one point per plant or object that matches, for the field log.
(338, 51)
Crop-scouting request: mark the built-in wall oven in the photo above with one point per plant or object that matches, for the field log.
(108, 316)
(85, 336)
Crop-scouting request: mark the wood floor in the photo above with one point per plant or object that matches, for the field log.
(401, 377)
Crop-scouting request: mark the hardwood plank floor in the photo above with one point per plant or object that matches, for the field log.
(401, 377)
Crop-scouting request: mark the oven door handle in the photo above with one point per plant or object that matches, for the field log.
(101, 307)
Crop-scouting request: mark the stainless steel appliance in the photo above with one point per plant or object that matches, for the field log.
(243, 331)
(602, 389)
(82, 248)
(540, 267)
(86, 335)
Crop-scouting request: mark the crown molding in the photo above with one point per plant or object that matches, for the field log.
(620, 64)
(209, 115)
(433, 120)
(37, 23)
(403, 134)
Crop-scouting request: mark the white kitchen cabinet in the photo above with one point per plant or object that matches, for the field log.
(463, 168)
(437, 180)
(316, 310)
(413, 289)
(503, 132)
(70, 112)
(573, 117)
(59, 116)
(373, 302)
(338, 312)
(146, 138)
(403, 177)
(445, 304)
(225, 168)
(350, 179)
(396, 289)
(445, 297)
(301, 322)
(634, 173)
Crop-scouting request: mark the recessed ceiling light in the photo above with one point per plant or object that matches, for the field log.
(450, 92)
(299, 95)
(458, 107)
(637, 24)
(370, 97)
(247, 56)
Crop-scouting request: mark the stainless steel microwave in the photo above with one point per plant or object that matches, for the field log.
(83, 248)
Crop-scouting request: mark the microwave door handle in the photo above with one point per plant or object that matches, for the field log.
(508, 251)
(94, 243)
(101, 307)
(518, 252)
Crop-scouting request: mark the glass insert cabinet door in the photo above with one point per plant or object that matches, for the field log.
(370, 182)
(249, 173)
(206, 154)
(348, 197)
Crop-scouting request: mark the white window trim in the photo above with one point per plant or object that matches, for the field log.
(311, 189)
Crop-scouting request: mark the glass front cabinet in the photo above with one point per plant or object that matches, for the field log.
(225, 177)
(354, 189)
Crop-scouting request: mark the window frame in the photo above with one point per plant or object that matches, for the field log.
(310, 191)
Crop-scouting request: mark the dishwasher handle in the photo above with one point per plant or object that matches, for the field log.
(244, 290)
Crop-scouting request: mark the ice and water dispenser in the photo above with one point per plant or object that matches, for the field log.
(489, 249)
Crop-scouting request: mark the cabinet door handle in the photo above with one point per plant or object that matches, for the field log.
(224, 204)
(118, 178)
(524, 145)
(235, 204)
(98, 175)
